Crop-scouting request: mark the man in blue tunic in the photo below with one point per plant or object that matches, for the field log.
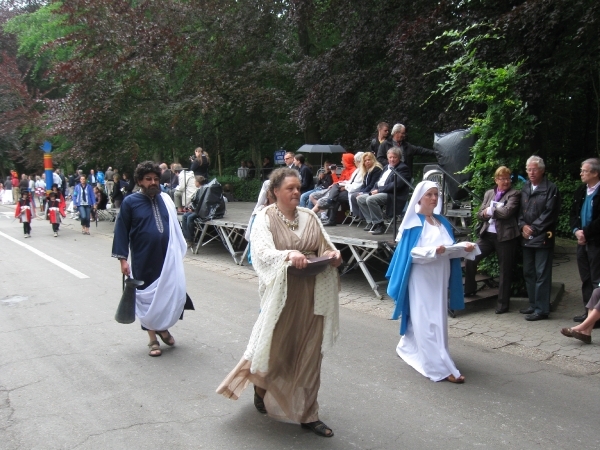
(148, 233)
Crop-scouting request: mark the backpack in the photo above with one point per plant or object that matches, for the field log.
(211, 204)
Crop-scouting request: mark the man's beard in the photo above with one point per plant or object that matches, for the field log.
(150, 191)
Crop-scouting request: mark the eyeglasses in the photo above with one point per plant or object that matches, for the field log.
(585, 171)
(536, 169)
(502, 179)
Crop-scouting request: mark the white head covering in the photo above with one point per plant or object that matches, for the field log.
(411, 219)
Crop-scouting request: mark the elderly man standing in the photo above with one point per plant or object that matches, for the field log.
(185, 189)
(147, 226)
(585, 223)
(540, 203)
(408, 150)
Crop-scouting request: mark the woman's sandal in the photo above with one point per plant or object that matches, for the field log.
(154, 348)
(319, 428)
(169, 340)
(259, 403)
(453, 379)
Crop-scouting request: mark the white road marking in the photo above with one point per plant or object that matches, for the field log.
(54, 261)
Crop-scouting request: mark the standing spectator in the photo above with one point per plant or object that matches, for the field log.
(165, 177)
(117, 194)
(126, 185)
(251, 170)
(267, 168)
(25, 211)
(540, 204)
(56, 179)
(289, 160)
(200, 163)
(306, 175)
(185, 189)
(84, 199)
(100, 178)
(108, 177)
(55, 209)
(585, 223)
(408, 151)
(147, 232)
(15, 185)
(40, 191)
(7, 198)
(383, 132)
(24, 183)
(499, 233)
(92, 178)
(242, 171)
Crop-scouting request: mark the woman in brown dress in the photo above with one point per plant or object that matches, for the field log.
(298, 320)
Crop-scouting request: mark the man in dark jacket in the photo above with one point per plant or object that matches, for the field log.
(540, 204)
(408, 150)
(306, 175)
(585, 223)
(383, 194)
(383, 132)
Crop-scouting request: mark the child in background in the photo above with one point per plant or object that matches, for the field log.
(25, 211)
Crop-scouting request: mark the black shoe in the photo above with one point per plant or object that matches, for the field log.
(580, 318)
(536, 316)
(501, 310)
(259, 403)
(378, 229)
(528, 310)
(368, 227)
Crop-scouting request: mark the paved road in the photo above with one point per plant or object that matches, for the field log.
(72, 378)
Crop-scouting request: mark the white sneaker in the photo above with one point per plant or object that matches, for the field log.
(55, 234)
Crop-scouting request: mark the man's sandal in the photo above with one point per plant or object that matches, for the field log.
(319, 428)
(169, 340)
(154, 348)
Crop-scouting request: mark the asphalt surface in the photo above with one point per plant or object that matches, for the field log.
(73, 378)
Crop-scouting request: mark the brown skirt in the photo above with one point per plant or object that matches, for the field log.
(294, 376)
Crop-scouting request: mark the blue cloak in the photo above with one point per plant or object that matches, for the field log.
(398, 273)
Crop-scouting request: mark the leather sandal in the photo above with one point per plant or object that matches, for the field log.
(154, 348)
(585, 338)
(566, 332)
(259, 403)
(453, 379)
(169, 340)
(319, 428)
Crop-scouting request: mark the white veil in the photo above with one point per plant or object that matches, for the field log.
(411, 219)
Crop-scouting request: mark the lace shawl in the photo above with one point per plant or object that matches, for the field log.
(271, 267)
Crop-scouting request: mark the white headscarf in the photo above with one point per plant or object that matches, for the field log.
(411, 219)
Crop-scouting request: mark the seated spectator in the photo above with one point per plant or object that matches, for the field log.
(185, 188)
(188, 225)
(330, 199)
(371, 171)
(101, 197)
(228, 193)
(371, 206)
(583, 331)
(325, 178)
